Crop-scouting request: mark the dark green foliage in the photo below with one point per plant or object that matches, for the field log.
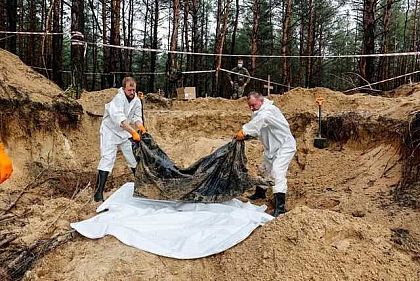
(336, 30)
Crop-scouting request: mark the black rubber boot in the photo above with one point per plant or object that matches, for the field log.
(134, 171)
(280, 203)
(100, 185)
(259, 193)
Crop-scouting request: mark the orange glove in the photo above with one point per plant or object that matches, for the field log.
(142, 129)
(240, 135)
(136, 136)
(6, 167)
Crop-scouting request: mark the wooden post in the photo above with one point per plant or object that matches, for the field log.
(268, 86)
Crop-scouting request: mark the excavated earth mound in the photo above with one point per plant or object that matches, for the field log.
(34, 101)
(352, 206)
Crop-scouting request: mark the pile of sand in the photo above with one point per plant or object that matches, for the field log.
(340, 198)
(18, 80)
(308, 243)
(29, 102)
(304, 244)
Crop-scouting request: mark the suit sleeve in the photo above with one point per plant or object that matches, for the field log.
(253, 127)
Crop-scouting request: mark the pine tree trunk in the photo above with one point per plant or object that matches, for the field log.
(30, 51)
(124, 52)
(57, 44)
(322, 48)
(94, 51)
(366, 64)
(301, 48)
(403, 60)
(105, 79)
(22, 44)
(155, 23)
(310, 44)
(285, 46)
(256, 14)
(416, 43)
(131, 33)
(383, 61)
(173, 46)
(186, 39)
(115, 56)
(77, 25)
(235, 29)
(11, 23)
(3, 18)
(195, 43)
(145, 35)
(223, 8)
(203, 40)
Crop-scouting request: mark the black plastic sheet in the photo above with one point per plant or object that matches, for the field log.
(217, 177)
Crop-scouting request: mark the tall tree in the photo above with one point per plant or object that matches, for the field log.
(310, 43)
(406, 45)
(367, 64)
(186, 39)
(127, 27)
(153, 57)
(301, 41)
(195, 35)
(386, 22)
(105, 79)
(171, 64)
(3, 24)
(256, 14)
(57, 43)
(416, 43)
(11, 23)
(115, 53)
(235, 29)
(31, 48)
(223, 8)
(285, 42)
(77, 49)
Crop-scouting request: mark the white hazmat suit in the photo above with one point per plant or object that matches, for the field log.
(111, 133)
(272, 128)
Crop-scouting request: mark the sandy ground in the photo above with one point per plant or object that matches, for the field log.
(342, 224)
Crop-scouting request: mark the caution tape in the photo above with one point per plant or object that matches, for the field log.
(248, 55)
(383, 81)
(81, 42)
(32, 33)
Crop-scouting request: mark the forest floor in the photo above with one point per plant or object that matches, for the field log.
(343, 221)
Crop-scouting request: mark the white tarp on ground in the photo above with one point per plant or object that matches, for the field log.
(173, 229)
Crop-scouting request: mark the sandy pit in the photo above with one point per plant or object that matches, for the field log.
(344, 221)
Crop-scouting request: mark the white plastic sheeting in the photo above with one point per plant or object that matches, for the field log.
(173, 229)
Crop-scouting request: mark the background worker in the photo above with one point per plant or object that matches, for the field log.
(239, 82)
(122, 119)
(272, 128)
(6, 167)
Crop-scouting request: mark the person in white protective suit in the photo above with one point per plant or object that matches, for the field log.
(122, 119)
(269, 124)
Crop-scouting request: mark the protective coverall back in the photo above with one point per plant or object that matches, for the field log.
(269, 124)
